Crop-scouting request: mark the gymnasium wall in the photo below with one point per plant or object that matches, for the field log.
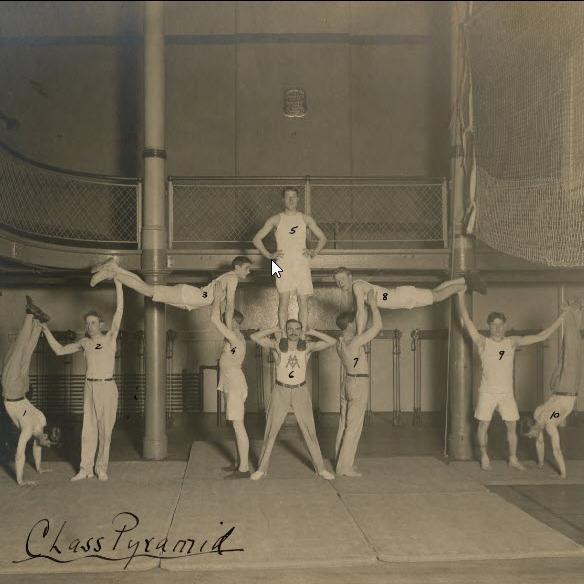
(198, 343)
(375, 76)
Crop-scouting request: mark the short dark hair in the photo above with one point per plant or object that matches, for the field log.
(239, 261)
(238, 316)
(344, 319)
(494, 315)
(92, 313)
(293, 320)
(342, 270)
(286, 189)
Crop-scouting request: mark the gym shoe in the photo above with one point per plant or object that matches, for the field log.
(475, 282)
(257, 475)
(32, 308)
(100, 277)
(82, 475)
(325, 474)
(102, 476)
(110, 264)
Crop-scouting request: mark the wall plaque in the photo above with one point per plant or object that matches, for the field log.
(295, 103)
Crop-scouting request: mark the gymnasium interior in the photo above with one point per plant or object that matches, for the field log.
(428, 140)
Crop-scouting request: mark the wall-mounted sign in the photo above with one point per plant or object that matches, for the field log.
(295, 103)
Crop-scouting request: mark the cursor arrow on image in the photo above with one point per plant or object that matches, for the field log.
(276, 269)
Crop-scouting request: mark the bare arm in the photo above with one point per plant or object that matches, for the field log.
(259, 236)
(117, 320)
(226, 332)
(325, 342)
(376, 325)
(261, 339)
(230, 307)
(361, 317)
(311, 223)
(545, 334)
(59, 349)
(476, 337)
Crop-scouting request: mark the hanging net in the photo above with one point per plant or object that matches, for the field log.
(526, 62)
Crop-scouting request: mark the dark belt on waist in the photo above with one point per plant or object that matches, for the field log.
(14, 399)
(357, 374)
(290, 386)
(565, 393)
(92, 379)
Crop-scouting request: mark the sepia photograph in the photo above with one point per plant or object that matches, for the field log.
(291, 292)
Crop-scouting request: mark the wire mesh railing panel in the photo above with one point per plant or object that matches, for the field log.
(351, 212)
(379, 213)
(40, 202)
(222, 212)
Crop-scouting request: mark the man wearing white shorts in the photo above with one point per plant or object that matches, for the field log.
(497, 353)
(407, 297)
(233, 385)
(220, 291)
(292, 256)
(290, 391)
(100, 397)
(565, 384)
(29, 420)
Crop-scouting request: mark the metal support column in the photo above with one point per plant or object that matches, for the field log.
(154, 231)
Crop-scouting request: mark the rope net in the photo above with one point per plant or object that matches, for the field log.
(527, 70)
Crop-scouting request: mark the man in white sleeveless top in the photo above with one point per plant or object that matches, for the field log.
(290, 390)
(220, 291)
(233, 385)
(292, 256)
(355, 389)
(497, 353)
(100, 397)
(565, 384)
(29, 420)
(407, 297)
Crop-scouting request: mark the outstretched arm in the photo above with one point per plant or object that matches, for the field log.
(361, 316)
(260, 337)
(325, 342)
(230, 307)
(259, 236)
(59, 349)
(476, 337)
(117, 320)
(312, 225)
(226, 332)
(376, 325)
(545, 334)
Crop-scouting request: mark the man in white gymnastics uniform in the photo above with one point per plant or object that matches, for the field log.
(497, 353)
(292, 256)
(233, 385)
(29, 420)
(355, 389)
(290, 390)
(401, 297)
(565, 383)
(220, 291)
(100, 397)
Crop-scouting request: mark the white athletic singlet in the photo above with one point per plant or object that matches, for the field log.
(100, 356)
(291, 369)
(497, 360)
(355, 361)
(222, 291)
(291, 234)
(232, 356)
